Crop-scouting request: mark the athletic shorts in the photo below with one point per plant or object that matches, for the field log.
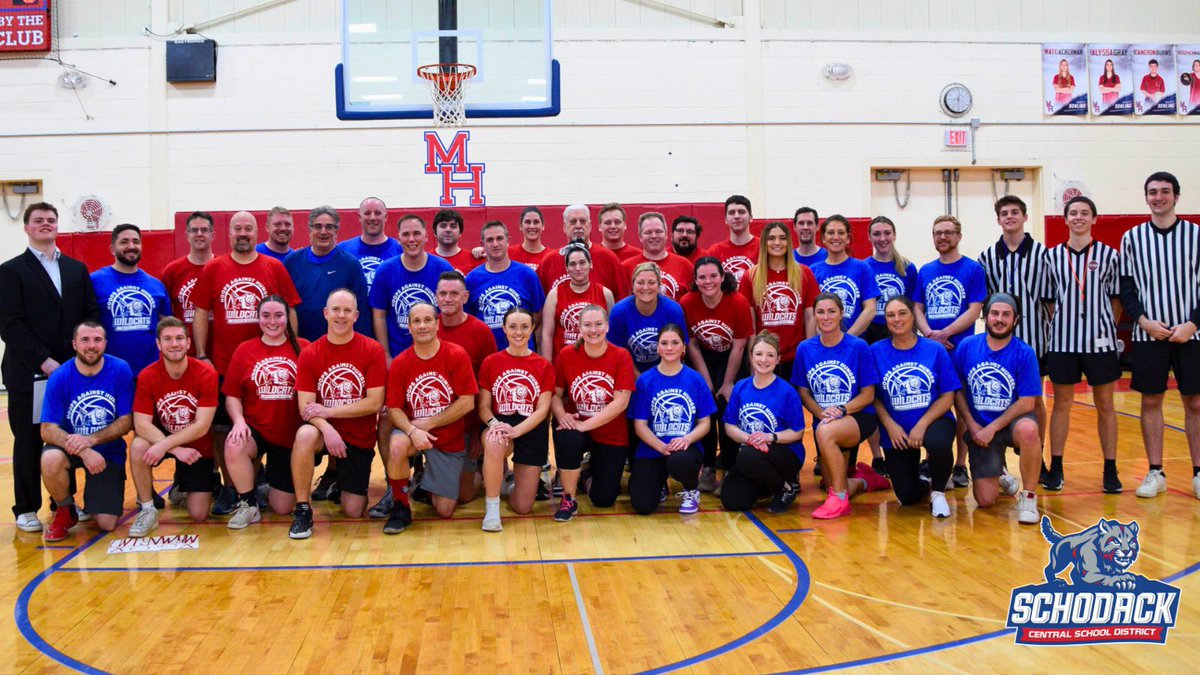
(531, 448)
(443, 471)
(867, 423)
(353, 470)
(103, 492)
(876, 332)
(1069, 368)
(221, 418)
(194, 477)
(989, 462)
(1152, 361)
(278, 463)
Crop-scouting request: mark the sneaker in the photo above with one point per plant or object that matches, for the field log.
(832, 508)
(1009, 485)
(1053, 480)
(784, 499)
(708, 479)
(1154, 484)
(556, 489)
(880, 467)
(323, 492)
(960, 477)
(1196, 485)
(84, 516)
(383, 508)
(938, 506)
(64, 519)
(176, 496)
(1027, 512)
(302, 523)
(159, 502)
(244, 515)
(145, 523)
(543, 492)
(923, 470)
(225, 504)
(399, 519)
(566, 510)
(1043, 474)
(874, 481)
(28, 522)
(1112, 483)
(491, 519)
(689, 502)
(663, 494)
(417, 493)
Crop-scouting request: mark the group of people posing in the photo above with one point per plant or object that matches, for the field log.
(670, 361)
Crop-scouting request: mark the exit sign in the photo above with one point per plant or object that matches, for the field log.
(958, 137)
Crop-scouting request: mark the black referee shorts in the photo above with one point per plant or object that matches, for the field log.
(1071, 368)
(1152, 361)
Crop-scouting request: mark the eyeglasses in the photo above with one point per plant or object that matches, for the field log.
(946, 234)
(323, 226)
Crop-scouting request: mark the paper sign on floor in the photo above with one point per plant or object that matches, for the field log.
(174, 542)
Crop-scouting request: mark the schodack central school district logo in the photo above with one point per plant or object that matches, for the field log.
(1104, 602)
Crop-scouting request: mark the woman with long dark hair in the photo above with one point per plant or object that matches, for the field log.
(560, 314)
(781, 291)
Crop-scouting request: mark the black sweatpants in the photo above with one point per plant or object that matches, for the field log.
(649, 474)
(757, 474)
(607, 463)
(903, 465)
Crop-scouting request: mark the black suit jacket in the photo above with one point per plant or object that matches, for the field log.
(35, 322)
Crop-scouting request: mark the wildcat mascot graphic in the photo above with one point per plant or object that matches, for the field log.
(1100, 601)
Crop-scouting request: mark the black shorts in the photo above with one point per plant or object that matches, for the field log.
(531, 448)
(867, 423)
(103, 492)
(353, 470)
(989, 462)
(1069, 368)
(278, 463)
(1152, 361)
(876, 332)
(221, 418)
(194, 477)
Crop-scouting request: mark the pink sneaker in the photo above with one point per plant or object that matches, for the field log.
(874, 481)
(832, 508)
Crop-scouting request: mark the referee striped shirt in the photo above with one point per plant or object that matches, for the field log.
(1024, 274)
(1164, 266)
(1083, 285)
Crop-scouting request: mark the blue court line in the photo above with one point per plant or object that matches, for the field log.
(802, 529)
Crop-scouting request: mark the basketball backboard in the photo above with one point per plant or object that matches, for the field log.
(385, 41)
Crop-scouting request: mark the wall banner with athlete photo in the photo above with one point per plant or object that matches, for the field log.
(1187, 64)
(1111, 79)
(1064, 77)
(1153, 72)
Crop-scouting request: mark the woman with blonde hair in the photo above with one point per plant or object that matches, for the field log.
(781, 291)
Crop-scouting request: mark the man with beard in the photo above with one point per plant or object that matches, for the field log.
(321, 269)
(131, 301)
(373, 246)
(676, 270)
(173, 411)
(86, 413)
(739, 252)
(612, 231)
(180, 275)
(279, 234)
(448, 226)
(606, 266)
(685, 238)
(805, 222)
(1001, 386)
(530, 251)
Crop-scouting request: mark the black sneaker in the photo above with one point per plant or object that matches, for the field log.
(226, 503)
(1053, 480)
(566, 510)
(302, 523)
(879, 466)
(399, 520)
(784, 498)
(417, 493)
(543, 492)
(325, 487)
(960, 477)
(159, 502)
(923, 470)
(1043, 475)
(1112, 484)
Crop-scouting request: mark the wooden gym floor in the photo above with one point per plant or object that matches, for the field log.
(885, 590)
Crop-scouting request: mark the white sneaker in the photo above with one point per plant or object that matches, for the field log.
(1196, 485)
(1154, 484)
(28, 522)
(244, 515)
(938, 506)
(145, 523)
(689, 502)
(1009, 485)
(491, 519)
(1027, 511)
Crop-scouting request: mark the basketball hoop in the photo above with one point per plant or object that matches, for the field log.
(447, 84)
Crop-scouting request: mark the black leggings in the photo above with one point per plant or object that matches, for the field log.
(903, 465)
(649, 474)
(715, 437)
(607, 463)
(758, 473)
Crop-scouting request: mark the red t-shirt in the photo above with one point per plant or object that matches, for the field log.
(568, 305)
(462, 261)
(423, 388)
(626, 252)
(717, 328)
(516, 382)
(736, 259)
(173, 403)
(781, 309)
(180, 276)
(589, 384)
(473, 336)
(340, 375)
(606, 270)
(263, 377)
(676, 273)
(517, 253)
(231, 291)
(696, 255)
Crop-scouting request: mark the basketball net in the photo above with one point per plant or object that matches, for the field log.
(447, 84)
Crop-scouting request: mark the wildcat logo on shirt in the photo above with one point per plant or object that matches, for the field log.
(177, 410)
(185, 300)
(405, 297)
(131, 309)
(831, 383)
(890, 286)
(737, 266)
(591, 391)
(275, 378)
(643, 344)
(672, 412)
(991, 387)
(944, 298)
(843, 287)
(570, 321)
(341, 384)
(369, 264)
(909, 386)
(779, 305)
(757, 418)
(494, 302)
(516, 392)
(91, 411)
(670, 285)
(1104, 603)
(429, 394)
(240, 299)
(713, 334)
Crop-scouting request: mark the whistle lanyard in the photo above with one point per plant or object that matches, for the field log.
(1081, 283)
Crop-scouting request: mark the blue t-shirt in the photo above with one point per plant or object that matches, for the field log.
(947, 290)
(396, 290)
(628, 329)
(770, 410)
(851, 280)
(891, 284)
(493, 293)
(911, 380)
(810, 260)
(130, 306)
(82, 404)
(993, 381)
(267, 251)
(315, 277)
(670, 404)
(371, 256)
(835, 374)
